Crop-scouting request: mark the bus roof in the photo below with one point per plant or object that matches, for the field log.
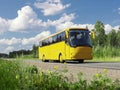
(67, 29)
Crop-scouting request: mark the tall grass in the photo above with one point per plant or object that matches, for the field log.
(15, 77)
(106, 52)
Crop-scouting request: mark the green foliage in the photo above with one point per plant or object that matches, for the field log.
(118, 37)
(106, 51)
(112, 38)
(19, 53)
(100, 34)
(8, 72)
(105, 45)
(35, 51)
(15, 77)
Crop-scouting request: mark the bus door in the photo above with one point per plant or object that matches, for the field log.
(67, 49)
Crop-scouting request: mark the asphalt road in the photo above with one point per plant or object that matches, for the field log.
(89, 69)
(107, 65)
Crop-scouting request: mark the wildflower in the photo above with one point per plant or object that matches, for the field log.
(97, 75)
(56, 67)
(49, 72)
(105, 71)
(17, 76)
(65, 63)
(26, 77)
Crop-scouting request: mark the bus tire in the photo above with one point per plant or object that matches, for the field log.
(43, 59)
(81, 61)
(61, 58)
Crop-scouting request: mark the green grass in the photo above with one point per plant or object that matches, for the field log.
(106, 59)
(106, 53)
(26, 57)
(13, 76)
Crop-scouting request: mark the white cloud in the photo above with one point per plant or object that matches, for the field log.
(24, 41)
(108, 28)
(7, 45)
(27, 20)
(9, 49)
(11, 41)
(3, 25)
(119, 10)
(24, 19)
(63, 22)
(51, 7)
(36, 39)
(116, 28)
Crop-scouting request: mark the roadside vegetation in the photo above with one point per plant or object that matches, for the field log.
(106, 53)
(106, 46)
(13, 76)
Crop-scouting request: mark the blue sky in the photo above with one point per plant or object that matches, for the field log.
(24, 22)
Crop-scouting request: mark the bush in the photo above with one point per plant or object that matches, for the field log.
(106, 51)
(15, 77)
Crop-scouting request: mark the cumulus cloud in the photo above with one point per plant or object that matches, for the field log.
(27, 20)
(119, 10)
(36, 39)
(51, 7)
(3, 25)
(63, 22)
(9, 49)
(11, 41)
(24, 19)
(24, 41)
(108, 28)
(10, 44)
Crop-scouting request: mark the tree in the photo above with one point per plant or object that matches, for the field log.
(112, 38)
(118, 37)
(100, 33)
(35, 51)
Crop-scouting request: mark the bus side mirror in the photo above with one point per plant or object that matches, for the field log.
(66, 36)
(92, 33)
(67, 41)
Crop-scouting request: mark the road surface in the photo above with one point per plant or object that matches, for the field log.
(89, 69)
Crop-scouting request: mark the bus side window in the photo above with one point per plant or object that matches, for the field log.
(54, 39)
(50, 40)
(43, 43)
(63, 36)
(40, 44)
(59, 37)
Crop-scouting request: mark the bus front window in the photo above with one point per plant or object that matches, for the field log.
(79, 38)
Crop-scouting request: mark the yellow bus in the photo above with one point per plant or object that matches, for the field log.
(69, 44)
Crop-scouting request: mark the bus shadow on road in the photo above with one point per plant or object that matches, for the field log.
(77, 62)
(73, 62)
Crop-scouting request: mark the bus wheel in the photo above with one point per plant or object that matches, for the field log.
(81, 61)
(43, 59)
(61, 58)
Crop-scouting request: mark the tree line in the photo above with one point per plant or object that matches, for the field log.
(21, 53)
(111, 39)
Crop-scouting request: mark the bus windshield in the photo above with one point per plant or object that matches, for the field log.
(79, 38)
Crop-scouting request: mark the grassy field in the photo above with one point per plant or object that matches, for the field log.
(15, 76)
(106, 59)
(106, 54)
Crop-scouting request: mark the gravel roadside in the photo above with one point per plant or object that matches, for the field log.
(73, 70)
